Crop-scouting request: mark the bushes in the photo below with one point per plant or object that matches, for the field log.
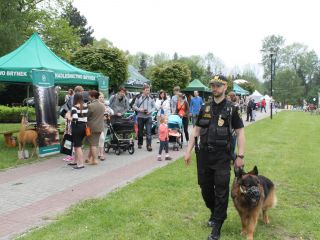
(13, 114)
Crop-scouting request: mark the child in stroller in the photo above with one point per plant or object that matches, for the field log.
(175, 131)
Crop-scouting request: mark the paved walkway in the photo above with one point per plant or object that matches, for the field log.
(32, 194)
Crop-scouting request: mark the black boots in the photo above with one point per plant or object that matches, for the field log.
(215, 234)
(210, 221)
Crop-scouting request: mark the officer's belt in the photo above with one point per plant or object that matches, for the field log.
(212, 148)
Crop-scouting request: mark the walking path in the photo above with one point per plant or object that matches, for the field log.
(33, 194)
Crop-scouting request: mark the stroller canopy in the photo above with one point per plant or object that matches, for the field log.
(175, 119)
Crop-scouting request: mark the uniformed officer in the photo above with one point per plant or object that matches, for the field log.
(216, 121)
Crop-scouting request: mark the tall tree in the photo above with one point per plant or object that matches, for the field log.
(143, 65)
(109, 61)
(161, 58)
(12, 26)
(194, 64)
(59, 36)
(288, 87)
(216, 64)
(169, 75)
(271, 42)
(304, 62)
(78, 21)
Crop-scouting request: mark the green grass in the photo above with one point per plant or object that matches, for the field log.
(167, 203)
(8, 155)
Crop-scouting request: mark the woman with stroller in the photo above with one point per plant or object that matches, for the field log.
(183, 111)
(107, 113)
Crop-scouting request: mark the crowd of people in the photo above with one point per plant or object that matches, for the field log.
(91, 112)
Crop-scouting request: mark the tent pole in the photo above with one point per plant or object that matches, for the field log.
(28, 88)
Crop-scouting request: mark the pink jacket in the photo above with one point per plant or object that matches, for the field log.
(163, 132)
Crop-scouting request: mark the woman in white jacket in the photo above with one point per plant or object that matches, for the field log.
(162, 106)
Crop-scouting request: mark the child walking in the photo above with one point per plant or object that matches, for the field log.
(164, 138)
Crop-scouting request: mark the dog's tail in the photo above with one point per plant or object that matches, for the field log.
(271, 200)
(275, 200)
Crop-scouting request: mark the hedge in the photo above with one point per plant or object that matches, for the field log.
(13, 114)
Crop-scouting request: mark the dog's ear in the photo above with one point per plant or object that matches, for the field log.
(239, 172)
(254, 171)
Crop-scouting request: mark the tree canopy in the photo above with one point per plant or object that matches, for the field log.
(169, 75)
(109, 61)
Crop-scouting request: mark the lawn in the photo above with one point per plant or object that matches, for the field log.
(9, 156)
(167, 203)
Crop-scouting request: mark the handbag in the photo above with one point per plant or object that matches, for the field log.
(88, 131)
(67, 144)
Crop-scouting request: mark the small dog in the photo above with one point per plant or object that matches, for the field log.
(252, 194)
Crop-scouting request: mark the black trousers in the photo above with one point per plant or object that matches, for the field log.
(249, 114)
(144, 122)
(214, 184)
(185, 123)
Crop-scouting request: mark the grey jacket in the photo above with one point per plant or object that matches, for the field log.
(119, 106)
(173, 104)
(145, 103)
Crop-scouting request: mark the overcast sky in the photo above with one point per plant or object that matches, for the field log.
(231, 29)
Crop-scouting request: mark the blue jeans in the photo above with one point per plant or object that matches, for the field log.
(144, 122)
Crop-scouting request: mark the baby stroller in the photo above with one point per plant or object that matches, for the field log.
(175, 131)
(119, 135)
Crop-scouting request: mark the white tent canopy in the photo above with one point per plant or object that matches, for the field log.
(239, 81)
(267, 97)
(256, 96)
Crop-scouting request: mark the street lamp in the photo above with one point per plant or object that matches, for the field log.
(272, 53)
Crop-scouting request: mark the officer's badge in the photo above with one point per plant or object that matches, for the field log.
(220, 121)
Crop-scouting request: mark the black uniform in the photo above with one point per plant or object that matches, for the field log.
(214, 154)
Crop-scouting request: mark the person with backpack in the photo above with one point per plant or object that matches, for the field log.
(119, 103)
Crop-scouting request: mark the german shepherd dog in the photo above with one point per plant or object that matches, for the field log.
(252, 194)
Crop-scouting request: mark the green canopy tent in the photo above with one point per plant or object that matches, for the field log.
(16, 66)
(239, 90)
(197, 85)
